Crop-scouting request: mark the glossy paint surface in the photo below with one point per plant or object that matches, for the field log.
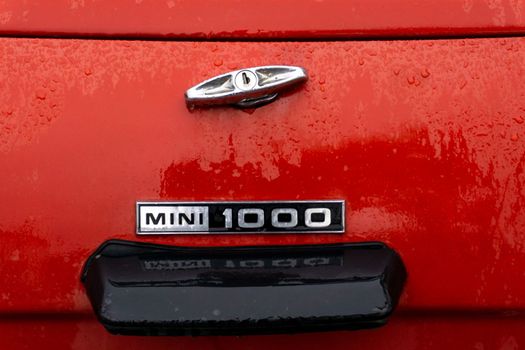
(423, 139)
(262, 19)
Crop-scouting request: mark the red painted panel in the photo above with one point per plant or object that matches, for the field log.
(262, 18)
(423, 139)
(412, 332)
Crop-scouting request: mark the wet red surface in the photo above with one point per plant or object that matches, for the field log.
(423, 139)
(262, 19)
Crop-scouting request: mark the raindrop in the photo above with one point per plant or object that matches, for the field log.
(248, 110)
(41, 94)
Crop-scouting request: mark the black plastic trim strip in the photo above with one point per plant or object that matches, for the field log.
(147, 289)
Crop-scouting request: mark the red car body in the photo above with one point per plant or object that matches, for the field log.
(414, 114)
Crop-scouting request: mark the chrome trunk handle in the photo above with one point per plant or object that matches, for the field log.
(246, 88)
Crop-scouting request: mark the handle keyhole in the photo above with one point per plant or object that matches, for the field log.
(245, 78)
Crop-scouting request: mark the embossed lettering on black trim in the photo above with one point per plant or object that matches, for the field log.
(325, 216)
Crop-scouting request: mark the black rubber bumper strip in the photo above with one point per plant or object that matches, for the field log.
(146, 289)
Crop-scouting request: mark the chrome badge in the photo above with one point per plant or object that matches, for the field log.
(246, 88)
(240, 217)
